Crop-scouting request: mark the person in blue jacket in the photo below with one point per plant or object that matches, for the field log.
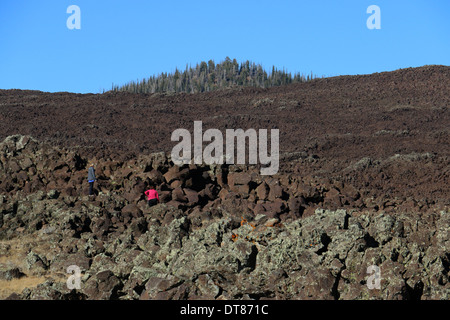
(91, 179)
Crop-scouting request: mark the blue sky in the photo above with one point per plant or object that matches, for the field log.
(122, 40)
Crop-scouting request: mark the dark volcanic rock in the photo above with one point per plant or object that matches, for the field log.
(349, 194)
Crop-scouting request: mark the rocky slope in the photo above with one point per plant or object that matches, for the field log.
(385, 134)
(220, 232)
(363, 181)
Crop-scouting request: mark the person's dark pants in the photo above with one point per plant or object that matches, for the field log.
(152, 202)
(91, 188)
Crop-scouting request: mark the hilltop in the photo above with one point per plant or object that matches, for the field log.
(211, 76)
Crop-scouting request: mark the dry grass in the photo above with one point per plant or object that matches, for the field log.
(13, 255)
(7, 287)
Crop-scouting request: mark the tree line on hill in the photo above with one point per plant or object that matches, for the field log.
(209, 76)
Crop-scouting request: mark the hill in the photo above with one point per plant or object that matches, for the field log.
(363, 180)
(350, 129)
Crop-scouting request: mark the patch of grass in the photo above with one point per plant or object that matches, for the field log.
(13, 254)
(7, 287)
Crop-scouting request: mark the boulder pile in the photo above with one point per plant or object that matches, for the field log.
(219, 232)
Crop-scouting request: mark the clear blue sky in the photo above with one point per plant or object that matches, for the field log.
(123, 40)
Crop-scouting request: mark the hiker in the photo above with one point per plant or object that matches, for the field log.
(152, 196)
(91, 179)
